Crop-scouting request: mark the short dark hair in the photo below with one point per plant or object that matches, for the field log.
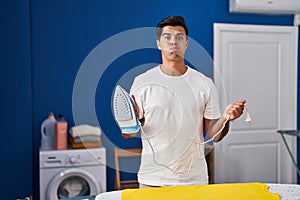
(171, 21)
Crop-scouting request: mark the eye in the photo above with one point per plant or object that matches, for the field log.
(167, 37)
(179, 37)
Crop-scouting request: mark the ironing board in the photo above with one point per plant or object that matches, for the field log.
(286, 192)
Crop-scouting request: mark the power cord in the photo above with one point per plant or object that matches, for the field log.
(247, 120)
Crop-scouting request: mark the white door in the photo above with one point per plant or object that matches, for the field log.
(259, 64)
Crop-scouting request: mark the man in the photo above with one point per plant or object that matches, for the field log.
(174, 103)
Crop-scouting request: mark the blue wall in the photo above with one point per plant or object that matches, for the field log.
(16, 100)
(43, 44)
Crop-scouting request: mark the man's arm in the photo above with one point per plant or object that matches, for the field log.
(213, 126)
(232, 112)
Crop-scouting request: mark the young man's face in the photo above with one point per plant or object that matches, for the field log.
(173, 42)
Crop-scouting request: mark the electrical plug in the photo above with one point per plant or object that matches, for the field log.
(248, 117)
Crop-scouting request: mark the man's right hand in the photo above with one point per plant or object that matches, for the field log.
(137, 111)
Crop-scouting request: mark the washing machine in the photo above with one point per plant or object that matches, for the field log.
(72, 173)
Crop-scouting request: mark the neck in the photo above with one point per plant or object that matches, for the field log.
(173, 68)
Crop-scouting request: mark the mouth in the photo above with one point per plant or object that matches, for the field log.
(174, 50)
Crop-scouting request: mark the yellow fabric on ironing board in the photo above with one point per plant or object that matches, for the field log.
(233, 191)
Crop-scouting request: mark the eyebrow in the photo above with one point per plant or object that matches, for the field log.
(166, 34)
(170, 34)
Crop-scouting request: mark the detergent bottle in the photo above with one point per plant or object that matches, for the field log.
(48, 133)
(61, 130)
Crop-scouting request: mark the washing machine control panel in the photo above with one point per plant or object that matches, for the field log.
(83, 159)
(65, 158)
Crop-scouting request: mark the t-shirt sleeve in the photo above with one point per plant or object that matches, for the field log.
(212, 109)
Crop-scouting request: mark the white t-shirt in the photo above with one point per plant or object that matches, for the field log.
(172, 134)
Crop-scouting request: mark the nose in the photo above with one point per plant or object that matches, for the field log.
(173, 40)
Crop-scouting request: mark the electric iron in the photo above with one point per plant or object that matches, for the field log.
(124, 112)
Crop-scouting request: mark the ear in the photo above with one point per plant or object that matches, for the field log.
(158, 44)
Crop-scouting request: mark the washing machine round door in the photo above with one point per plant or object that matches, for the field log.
(72, 182)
